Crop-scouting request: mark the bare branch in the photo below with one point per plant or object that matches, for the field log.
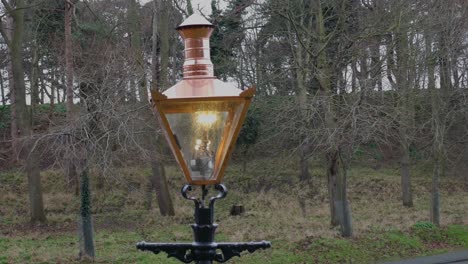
(7, 6)
(3, 32)
(182, 10)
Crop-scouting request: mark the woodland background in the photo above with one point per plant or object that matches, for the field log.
(359, 128)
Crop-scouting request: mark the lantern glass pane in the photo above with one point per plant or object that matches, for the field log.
(234, 121)
(198, 136)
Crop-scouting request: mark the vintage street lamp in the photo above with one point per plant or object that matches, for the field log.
(201, 117)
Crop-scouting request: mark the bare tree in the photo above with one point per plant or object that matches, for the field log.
(136, 46)
(158, 181)
(23, 118)
(70, 168)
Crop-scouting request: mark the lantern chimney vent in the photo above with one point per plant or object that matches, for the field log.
(196, 32)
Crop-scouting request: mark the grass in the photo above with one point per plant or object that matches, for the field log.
(119, 247)
(384, 230)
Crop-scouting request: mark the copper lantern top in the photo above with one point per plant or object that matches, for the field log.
(196, 32)
(199, 79)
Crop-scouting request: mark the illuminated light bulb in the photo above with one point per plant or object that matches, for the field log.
(206, 118)
(197, 144)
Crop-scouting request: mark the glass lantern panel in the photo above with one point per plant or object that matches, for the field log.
(198, 136)
(233, 123)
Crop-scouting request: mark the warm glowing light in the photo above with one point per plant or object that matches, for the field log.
(206, 118)
(197, 144)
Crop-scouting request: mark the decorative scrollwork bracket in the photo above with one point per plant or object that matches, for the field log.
(203, 249)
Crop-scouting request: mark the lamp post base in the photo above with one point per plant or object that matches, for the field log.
(203, 250)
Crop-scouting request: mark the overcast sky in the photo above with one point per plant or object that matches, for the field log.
(204, 5)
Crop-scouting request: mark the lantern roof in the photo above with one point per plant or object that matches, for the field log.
(195, 20)
(202, 88)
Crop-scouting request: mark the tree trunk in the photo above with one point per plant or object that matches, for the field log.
(406, 111)
(34, 81)
(407, 194)
(86, 232)
(245, 158)
(52, 96)
(69, 58)
(304, 165)
(134, 17)
(143, 88)
(338, 185)
(21, 113)
(34, 186)
(166, 208)
(336, 171)
(59, 100)
(305, 178)
(2, 88)
(325, 89)
(437, 133)
(376, 66)
(164, 51)
(302, 98)
(72, 176)
(302, 60)
(157, 180)
(13, 113)
(43, 89)
(11, 86)
(445, 69)
(332, 192)
(435, 193)
(154, 50)
(70, 171)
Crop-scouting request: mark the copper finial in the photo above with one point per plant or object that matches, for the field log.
(196, 32)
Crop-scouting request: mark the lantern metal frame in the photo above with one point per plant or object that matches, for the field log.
(163, 105)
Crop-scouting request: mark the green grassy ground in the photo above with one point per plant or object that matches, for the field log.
(119, 246)
(383, 229)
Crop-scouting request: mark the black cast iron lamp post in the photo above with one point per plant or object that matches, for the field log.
(201, 117)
